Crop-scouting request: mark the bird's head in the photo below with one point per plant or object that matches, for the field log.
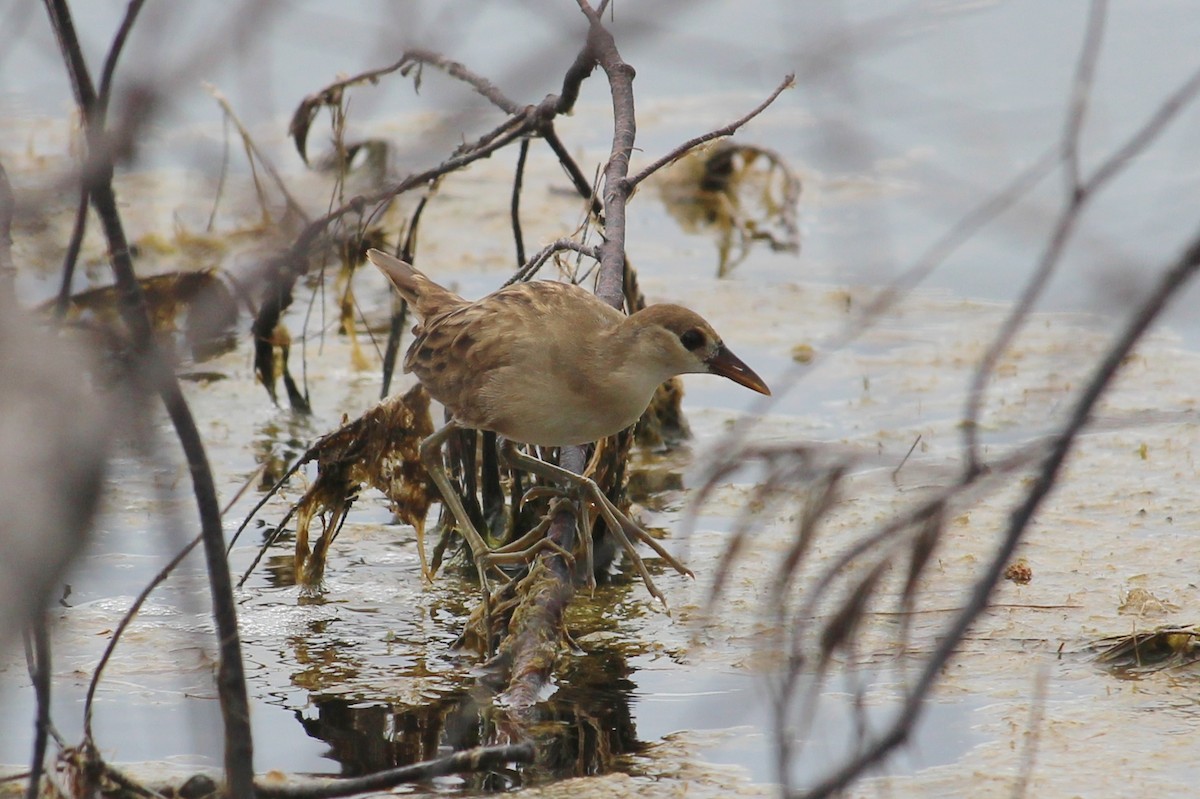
(681, 342)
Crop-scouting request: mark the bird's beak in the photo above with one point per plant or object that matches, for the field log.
(726, 364)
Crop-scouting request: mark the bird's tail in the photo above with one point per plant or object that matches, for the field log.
(425, 297)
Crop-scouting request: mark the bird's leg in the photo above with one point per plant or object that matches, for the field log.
(585, 527)
(431, 456)
(618, 522)
(642, 535)
(613, 514)
(527, 546)
(426, 572)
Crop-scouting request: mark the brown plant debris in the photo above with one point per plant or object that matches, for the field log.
(1155, 650)
(271, 360)
(1140, 602)
(380, 449)
(1019, 572)
(743, 192)
(198, 303)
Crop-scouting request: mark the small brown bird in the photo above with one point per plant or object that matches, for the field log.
(546, 363)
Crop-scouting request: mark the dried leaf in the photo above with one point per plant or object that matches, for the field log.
(742, 192)
(380, 449)
(307, 111)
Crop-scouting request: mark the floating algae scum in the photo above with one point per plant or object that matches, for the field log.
(361, 676)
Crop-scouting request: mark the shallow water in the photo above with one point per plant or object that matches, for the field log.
(942, 114)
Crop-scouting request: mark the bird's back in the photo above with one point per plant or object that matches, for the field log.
(531, 361)
(492, 360)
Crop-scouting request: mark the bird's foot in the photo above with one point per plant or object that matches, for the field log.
(589, 496)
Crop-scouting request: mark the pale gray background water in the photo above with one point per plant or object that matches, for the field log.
(905, 116)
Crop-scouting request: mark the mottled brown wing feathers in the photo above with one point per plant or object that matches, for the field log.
(453, 360)
(463, 351)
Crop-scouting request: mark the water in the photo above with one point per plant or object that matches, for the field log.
(905, 116)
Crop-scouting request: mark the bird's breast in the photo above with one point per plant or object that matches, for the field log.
(560, 406)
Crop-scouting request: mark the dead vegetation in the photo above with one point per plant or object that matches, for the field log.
(544, 540)
(822, 612)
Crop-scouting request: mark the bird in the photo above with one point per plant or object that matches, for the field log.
(547, 363)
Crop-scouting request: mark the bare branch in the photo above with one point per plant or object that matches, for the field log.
(691, 144)
(1112, 166)
(897, 731)
(1081, 92)
(231, 682)
(579, 71)
(620, 79)
(481, 759)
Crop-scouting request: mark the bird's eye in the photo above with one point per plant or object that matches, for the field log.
(691, 339)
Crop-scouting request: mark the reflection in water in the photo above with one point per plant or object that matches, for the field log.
(366, 737)
(278, 443)
(584, 729)
(281, 569)
(322, 663)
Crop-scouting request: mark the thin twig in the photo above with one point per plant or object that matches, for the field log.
(231, 683)
(1081, 92)
(79, 228)
(222, 175)
(515, 205)
(907, 455)
(578, 179)
(104, 94)
(37, 656)
(8, 271)
(74, 244)
(719, 133)
(256, 155)
(897, 731)
(1121, 158)
(539, 260)
(456, 70)
(419, 56)
(483, 758)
